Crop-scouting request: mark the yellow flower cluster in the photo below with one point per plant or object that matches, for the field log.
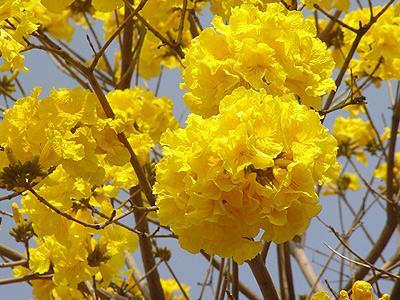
(342, 5)
(74, 253)
(12, 39)
(354, 136)
(56, 24)
(170, 287)
(252, 167)
(165, 16)
(275, 50)
(223, 7)
(100, 5)
(381, 172)
(361, 290)
(380, 45)
(348, 181)
(18, 20)
(69, 128)
(69, 139)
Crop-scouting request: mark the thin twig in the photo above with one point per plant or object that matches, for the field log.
(25, 278)
(182, 22)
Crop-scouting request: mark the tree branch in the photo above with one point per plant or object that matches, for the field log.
(263, 278)
(146, 250)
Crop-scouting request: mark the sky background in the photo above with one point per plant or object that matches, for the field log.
(188, 267)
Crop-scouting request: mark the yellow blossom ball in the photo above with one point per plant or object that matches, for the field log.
(82, 165)
(381, 172)
(347, 181)
(251, 168)
(223, 7)
(55, 24)
(142, 111)
(354, 136)
(100, 5)
(353, 130)
(362, 290)
(275, 50)
(26, 17)
(379, 47)
(70, 128)
(171, 288)
(56, 6)
(322, 295)
(165, 16)
(328, 4)
(343, 295)
(55, 130)
(107, 5)
(13, 38)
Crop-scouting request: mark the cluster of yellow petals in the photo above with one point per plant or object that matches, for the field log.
(342, 5)
(165, 17)
(12, 40)
(381, 172)
(347, 181)
(252, 167)
(223, 7)
(171, 289)
(26, 16)
(78, 146)
(354, 136)
(274, 49)
(70, 128)
(100, 5)
(361, 290)
(379, 47)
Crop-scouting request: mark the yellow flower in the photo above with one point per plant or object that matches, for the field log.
(385, 297)
(69, 128)
(68, 137)
(42, 289)
(9, 8)
(142, 111)
(355, 110)
(10, 51)
(223, 7)
(275, 50)
(381, 42)
(349, 181)
(57, 6)
(20, 271)
(328, 4)
(165, 15)
(107, 5)
(387, 133)
(322, 295)
(39, 261)
(171, 287)
(18, 218)
(355, 136)
(362, 290)
(18, 20)
(343, 295)
(381, 171)
(250, 168)
(54, 23)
